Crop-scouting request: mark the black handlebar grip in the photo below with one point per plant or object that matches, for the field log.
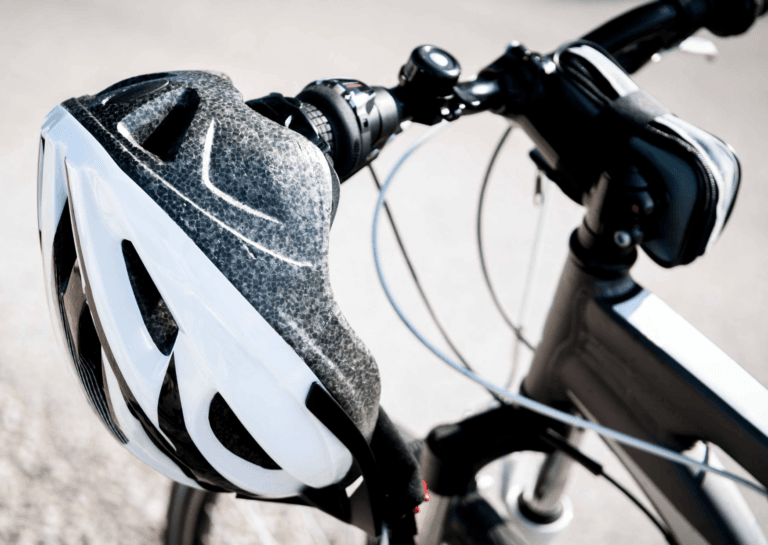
(732, 17)
(635, 36)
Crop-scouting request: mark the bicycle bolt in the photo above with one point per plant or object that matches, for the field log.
(622, 239)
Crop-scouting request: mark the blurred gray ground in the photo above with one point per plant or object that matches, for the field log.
(64, 480)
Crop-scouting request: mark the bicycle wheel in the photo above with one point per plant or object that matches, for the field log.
(198, 517)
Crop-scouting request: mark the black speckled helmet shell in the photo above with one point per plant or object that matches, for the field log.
(185, 247)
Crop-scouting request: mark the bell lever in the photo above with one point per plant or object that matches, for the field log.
(427, 82)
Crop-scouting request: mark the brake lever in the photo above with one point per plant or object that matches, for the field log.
(693, 45)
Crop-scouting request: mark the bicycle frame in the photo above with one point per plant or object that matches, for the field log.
(618, 355)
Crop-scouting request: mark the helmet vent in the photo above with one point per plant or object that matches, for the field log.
(155, 313)
(136, 91)
(232, 434)
(89, 368)
(40, 163)
(77, 321)
(132, 81)
(64, 253)
(166, 139)
(171, 419)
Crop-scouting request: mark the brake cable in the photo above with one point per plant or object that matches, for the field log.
(415, 278)
(516, 329)
(550, 437)
(503, 393)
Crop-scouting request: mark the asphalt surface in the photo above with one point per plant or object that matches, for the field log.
(63, 479)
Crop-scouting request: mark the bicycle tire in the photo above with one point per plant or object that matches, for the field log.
(187, 518)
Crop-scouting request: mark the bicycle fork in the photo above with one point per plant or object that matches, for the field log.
(538, 508)
(454, 453)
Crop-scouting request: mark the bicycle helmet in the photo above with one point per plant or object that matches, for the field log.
(185, 250)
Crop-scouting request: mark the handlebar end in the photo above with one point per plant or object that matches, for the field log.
(733, 17)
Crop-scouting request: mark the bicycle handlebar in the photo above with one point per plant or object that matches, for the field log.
(356, 121)
(635, 36)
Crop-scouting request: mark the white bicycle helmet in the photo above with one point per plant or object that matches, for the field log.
(185, 250)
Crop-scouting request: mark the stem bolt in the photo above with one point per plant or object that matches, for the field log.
(622, 239)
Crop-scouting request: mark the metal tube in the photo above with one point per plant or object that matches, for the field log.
(543, 499)
(431, 519)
